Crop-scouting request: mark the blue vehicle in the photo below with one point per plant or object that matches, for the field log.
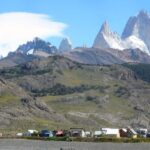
(46, 133)
(148, 135)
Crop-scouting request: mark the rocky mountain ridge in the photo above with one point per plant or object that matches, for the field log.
(108, 47)
(35, 46)
(135, 35)
(107, 56)
(65, 45)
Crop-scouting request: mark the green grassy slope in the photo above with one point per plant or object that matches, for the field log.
(75, 95)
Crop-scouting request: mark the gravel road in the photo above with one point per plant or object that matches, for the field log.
(15, 144)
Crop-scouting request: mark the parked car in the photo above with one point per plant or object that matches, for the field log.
(88, 134)
(77, 132)
(30, 132)
(46, 133)
(97, 133)
(142, 132)
(59, 133)
(19, 134)
(148, 135)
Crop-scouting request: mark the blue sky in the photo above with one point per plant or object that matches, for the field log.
(82, 17)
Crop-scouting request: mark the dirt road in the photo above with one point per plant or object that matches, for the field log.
(15, 144)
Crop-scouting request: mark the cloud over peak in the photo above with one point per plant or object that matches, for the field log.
(18, 27)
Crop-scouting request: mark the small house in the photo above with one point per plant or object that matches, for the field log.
(110, 132)
(123, 132)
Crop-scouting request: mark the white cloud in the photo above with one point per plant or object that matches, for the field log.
(18, 27)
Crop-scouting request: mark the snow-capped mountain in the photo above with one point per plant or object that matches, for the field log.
(108, 48)
(136, 35)
(65, 45)
(37, 47)
(138, 26)
(107, 39)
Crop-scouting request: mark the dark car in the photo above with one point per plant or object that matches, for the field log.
(46, 133)
(148, 135)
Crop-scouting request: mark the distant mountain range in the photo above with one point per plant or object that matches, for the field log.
(108, 47)
(135, 35)
(37, 47)
(107, 56)
(42, 86)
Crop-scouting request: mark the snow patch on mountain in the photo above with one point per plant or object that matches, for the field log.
(36, 45)
(139, 26)
(113, 41)
(30, 52)
(133, 42)
(107, 39)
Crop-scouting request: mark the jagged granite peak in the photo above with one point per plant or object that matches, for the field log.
(128, 30)
(138, 26)
(136, 35)
(105, 28)
(106, 38)
(35, 45)
(133, 24)
(143, 13)
(65, 45)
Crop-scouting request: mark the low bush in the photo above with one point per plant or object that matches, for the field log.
(113, 140)
(60, 89)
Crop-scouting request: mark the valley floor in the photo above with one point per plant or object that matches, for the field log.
(13, 144)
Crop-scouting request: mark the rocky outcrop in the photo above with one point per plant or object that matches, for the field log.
(135, 35)
(107, 39)
(139, 27)
(36, 45)
(107, 56)
(65, 45)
